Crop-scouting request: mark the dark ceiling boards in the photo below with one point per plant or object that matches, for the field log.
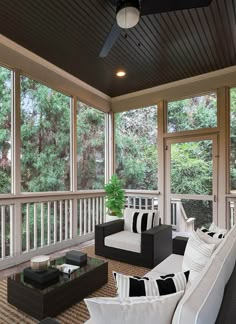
(162, 48)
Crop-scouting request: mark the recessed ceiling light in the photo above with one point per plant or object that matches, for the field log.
(120, 74)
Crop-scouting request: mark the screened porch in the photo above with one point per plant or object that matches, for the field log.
(174, 151)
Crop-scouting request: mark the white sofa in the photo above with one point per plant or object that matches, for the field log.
(203, 298)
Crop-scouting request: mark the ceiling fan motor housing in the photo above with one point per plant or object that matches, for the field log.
(127, 13)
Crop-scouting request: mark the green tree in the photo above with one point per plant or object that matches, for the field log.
(136, 148)
(91, 148)
(192, 113)
(191, 168)
(45, 138)
(5, 130)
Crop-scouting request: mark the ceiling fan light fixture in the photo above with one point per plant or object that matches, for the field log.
(120, 73)
(127, 14)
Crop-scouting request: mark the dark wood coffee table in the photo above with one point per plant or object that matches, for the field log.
(54, 299)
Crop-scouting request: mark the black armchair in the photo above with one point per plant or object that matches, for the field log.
(156, 244)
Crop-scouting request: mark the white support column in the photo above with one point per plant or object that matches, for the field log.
(16, 175)
(109, 146)
(161, 162)
(224, 139)
(73, 166)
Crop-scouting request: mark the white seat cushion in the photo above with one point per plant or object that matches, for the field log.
(124, 240)
(172, 264)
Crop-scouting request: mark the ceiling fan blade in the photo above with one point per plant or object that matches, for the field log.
(113, 2)
(110, 40)
(152, 7)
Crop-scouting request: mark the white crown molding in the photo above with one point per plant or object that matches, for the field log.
(36, 58)
(188, 81)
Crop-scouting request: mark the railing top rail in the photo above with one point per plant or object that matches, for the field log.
(38, 197)
(142, 193)
(231, 199)
(51, 196)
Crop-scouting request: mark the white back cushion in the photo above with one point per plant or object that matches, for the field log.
(128, 212)
(201, 302)
(208, 239)
(133, 310)
(196, 255)
(214, 228)
(128, 216)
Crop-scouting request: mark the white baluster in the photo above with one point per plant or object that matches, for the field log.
(35, 226)
(3, 227)
(49, 223)
(93, 222)
(100, 210)
(27, 227)
(89, 215)
(234, 220)
(60, 222)
(55, 221)
(66, 219)
(97, 215)
(85, 216)
(80, 216)
(11, 231)
(70, 219)
(42, 224)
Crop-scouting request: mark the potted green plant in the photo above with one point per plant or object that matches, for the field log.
(115, 197)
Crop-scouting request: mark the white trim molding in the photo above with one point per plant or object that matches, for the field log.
(16, 56)
(196, 85)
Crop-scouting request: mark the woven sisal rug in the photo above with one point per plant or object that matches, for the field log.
(78, 313)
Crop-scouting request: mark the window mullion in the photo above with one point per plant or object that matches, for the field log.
(109, 146)
(73, 144)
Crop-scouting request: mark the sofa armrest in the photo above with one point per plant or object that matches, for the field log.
(157, 243)
(110, 227)
(106, 229)
(179, 244)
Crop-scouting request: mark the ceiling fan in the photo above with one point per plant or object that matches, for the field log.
(128, 13)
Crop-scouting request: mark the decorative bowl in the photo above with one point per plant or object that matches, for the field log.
(40, 263)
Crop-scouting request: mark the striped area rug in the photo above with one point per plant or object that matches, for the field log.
(78, 313)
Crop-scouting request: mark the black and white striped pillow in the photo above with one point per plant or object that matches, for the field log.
(132, 286)
(213, 234)
(142, 221)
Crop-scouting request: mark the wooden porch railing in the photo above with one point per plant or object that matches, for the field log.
(231, 211)
(138, 199)
(43, 224)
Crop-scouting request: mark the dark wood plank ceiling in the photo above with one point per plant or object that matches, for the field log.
(161, 48)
